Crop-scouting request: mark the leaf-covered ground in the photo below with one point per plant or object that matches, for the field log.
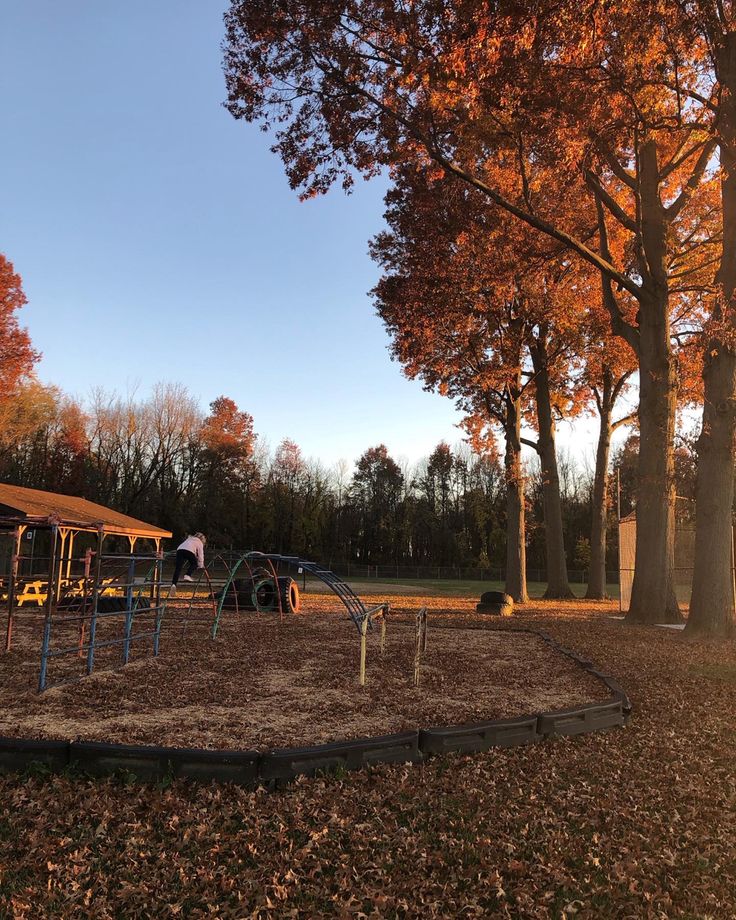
(634, 823)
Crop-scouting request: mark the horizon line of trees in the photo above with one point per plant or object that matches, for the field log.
(164, 460)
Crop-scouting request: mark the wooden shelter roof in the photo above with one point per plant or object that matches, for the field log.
(33, 506)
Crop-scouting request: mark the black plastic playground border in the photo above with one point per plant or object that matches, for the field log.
(273, 768)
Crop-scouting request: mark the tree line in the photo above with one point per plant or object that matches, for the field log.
(162, 459)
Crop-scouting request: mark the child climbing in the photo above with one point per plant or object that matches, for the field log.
(190, 553)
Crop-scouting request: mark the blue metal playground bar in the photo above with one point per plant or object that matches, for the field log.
(142, 596)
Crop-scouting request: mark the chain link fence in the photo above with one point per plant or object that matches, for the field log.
(392, 572)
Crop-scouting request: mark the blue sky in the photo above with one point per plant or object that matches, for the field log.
(157, 238)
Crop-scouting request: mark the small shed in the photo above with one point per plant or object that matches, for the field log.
(684, 557)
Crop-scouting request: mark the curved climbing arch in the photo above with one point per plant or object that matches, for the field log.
(354, 605)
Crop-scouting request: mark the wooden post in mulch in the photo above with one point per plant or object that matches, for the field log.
(421, 642)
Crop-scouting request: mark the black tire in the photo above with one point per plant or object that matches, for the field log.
(496, 597)
(264, 596)
(289, 590)
(238, 595)
(110, 604)
(498, 610)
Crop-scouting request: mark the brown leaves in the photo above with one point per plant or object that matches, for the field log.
(634, 823)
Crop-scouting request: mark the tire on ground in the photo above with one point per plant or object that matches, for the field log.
(264, 596)
(496, 597)
(289, 591)
(238, 595)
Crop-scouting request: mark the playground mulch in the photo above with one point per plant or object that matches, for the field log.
(267, 683)
(637, 822)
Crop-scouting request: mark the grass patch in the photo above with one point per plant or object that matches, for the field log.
(458, 588)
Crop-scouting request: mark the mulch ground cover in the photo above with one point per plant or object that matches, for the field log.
(634, 823)
(266, 683)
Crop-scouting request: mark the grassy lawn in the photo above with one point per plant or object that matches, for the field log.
(638, 822)
(458, 588)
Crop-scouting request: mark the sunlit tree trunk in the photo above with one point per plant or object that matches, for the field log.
(605, 401)
(599, 511)
(557, 581)
(652, 598)
(515, 512)
(712, 602)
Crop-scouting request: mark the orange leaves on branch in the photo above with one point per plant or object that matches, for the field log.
(228, 432)
(17, 356)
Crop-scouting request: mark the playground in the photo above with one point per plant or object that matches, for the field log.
(267, 683)
(100, 646)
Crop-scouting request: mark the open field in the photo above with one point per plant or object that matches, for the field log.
(446, 587)
(635, 823)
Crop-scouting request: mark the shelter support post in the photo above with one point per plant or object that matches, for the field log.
(63, 534)
(70, 552)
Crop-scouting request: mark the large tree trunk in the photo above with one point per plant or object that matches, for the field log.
(515, 513)
(599, 516)
(557, 582)
(652, 595)
(712, 603)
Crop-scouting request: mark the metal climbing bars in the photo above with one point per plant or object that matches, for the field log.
(354, 605)
(101, 618)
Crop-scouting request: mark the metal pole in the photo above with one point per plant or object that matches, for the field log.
(49, 607)
(85, 594)
(95, 599)
(17, 537)
(129, 600)
(418, 645)
(157, 575)
(363, 632)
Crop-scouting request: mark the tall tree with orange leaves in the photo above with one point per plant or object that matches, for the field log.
(512, 98)
(227, 472)
(704, 41)
(17, 356)
(459, 321)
